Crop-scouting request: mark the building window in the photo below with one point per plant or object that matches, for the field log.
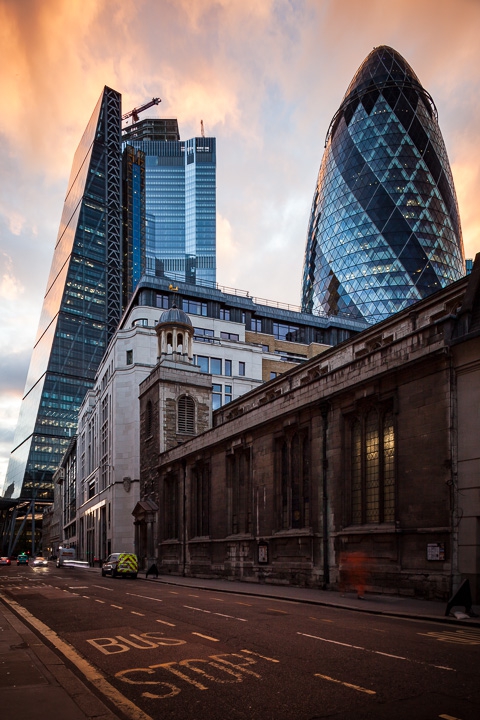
(202, 362)
(216, 396)
(186, 415)
(203, 334)
(273, 375)
(215, 366)
(256, 325)
(286, 332)
(239, 503)
(241, 369)
(162, 301)
(228, 368)
(194, 308)
(224, 314)
(129, 357)
(235, 337)
(228, 394)
(372, 467)
(200, 484)
(293, 458)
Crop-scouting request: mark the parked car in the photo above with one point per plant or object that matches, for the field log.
(22, 560)
(40, 561)
(120, 565)
(5, 561)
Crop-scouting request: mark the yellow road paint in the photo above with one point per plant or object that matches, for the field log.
(283, 612)
(345, 684)
(320, 619)
(100, 601)
(458, 637)
(448, 717)
(207, 637)
(251, 652)
(119, 607)
(94, 676)
(246, 604)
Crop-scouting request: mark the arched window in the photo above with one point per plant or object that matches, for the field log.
(180, 343)
(186, 415)
(293, 457)
(372, 467)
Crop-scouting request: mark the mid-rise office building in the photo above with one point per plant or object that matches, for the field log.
(384, 227)
(180, 200)
(237, 343)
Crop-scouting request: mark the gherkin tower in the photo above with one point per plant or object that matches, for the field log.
(384, 227)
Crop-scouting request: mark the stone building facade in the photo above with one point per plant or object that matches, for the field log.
(367, 452)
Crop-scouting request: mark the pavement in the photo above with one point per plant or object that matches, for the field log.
(35, 682)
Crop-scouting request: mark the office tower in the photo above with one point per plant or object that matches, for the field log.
(81, 309)
(180, 200)
(384, 227)
(134, 219)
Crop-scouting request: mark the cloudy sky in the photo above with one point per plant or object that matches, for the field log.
(266, 77)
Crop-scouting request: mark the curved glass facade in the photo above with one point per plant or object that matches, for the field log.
(81, 308)
(384, 227)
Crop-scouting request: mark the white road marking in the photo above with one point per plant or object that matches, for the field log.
(146, 597)
(103, 587)
(209, 612)
(119, 607)
(345, 684)
(137, 613)
(376, 652)
(78, 587)
(164, 622)
(100, 601)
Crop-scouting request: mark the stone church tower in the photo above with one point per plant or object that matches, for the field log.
(175, 405)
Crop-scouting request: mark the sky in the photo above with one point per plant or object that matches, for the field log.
(265, 76)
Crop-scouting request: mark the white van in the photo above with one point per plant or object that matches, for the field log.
(65, 555)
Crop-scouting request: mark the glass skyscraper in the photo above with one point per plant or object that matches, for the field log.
(180, 200)
(81, 309)
(384, 227)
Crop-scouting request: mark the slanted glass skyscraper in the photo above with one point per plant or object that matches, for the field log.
(384, 227)
(81, 309)
(180, 200)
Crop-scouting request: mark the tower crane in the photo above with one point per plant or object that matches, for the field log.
(135, 112)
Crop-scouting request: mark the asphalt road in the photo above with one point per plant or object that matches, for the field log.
(166, 651)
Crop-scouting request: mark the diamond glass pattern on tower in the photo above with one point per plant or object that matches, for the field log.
(384, 227)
